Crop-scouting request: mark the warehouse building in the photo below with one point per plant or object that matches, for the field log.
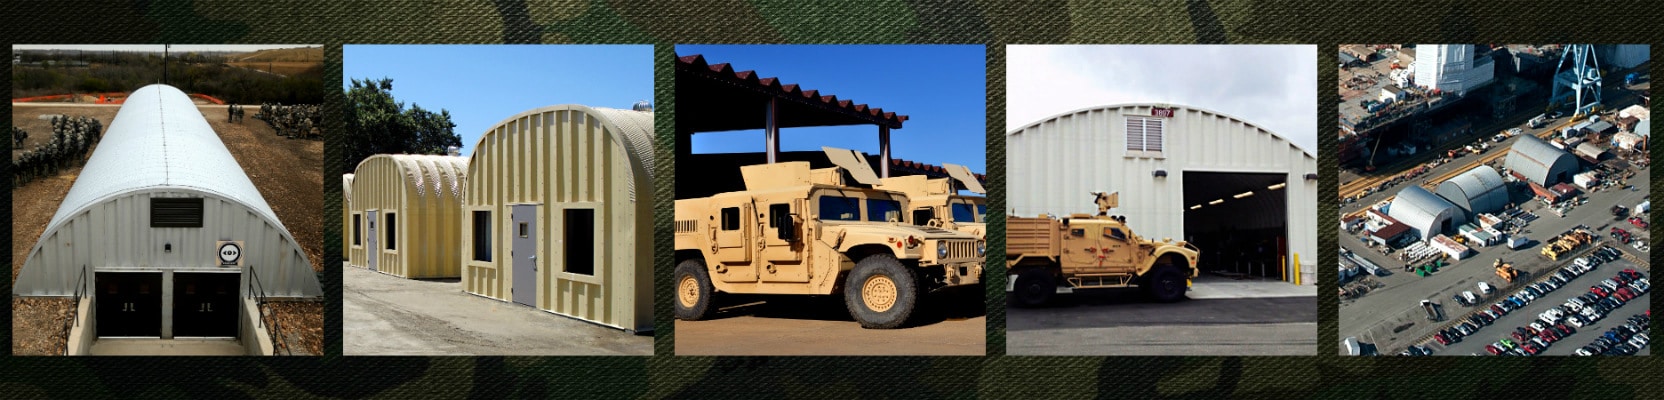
(164, 236)
(1244, 195)
(558, 214)
(1478, 191)
(406, 215)
(1426, 214)
(1534, 160)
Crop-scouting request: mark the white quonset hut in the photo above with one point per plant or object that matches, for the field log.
(406, 215)
(1241, 193)
(1478, 191)
(1539, 162)
(1426, 214)
(145, 228)
(558, 214)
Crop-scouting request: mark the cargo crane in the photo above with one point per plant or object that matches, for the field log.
(1577, 76)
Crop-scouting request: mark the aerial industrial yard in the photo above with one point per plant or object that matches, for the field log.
(1494, 201)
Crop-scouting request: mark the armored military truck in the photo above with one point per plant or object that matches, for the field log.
(937, 202)
(1046, 255)
(802, 231)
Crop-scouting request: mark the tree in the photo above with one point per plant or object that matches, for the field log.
(378, 124)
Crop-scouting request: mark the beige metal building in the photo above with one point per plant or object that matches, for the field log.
(406, 214)
(558, 214)
(346, 215)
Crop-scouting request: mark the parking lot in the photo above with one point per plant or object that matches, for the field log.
(1389, 315)
(1502, 327)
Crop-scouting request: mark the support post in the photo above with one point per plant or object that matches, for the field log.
(771, 130)
(883, 151)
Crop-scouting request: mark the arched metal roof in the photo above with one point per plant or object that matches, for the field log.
(634, 129)
(1539, 161)
(1423, 211)
(428, 175)
(159, 140)
(1204, 111)
(1479, 190)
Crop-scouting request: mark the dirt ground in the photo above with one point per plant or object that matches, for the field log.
(284, 68)
(304, 322)
(38, 325)
(947, 324)
(287, 172)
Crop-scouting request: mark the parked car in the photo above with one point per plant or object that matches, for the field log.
(1493, 349)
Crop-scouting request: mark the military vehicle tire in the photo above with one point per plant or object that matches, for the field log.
(1165, 284)
(1035, 287)
(693, 290)
(880, 292)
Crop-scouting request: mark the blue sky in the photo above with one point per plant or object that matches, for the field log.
(483, 84)
(941, 88)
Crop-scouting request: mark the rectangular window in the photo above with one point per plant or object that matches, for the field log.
(731, 219)
(176, 212)
(482, 236)
(1145, 136)
(779, 214)
(392, 229)
(357, 230)
(922, 216)
(837, 208)
(524, 232)
(580, 241)
(963, 212)
(883, 210)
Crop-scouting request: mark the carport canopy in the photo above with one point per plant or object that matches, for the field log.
(716, 98)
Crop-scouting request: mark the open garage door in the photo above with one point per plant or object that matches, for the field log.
(205, 304)
(129, 304)
(1239, 221)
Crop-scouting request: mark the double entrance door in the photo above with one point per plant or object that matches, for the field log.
(131, 304)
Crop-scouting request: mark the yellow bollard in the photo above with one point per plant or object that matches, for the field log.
(1296, 269)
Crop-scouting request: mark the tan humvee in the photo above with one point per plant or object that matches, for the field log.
(937, 203)
(800, 231)
(1045, 255)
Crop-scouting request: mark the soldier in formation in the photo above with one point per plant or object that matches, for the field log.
(296, 121)
(72, 138)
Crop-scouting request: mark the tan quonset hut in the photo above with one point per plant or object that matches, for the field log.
(558, 214)
(346, 216)
(164, 234)
(406, 215)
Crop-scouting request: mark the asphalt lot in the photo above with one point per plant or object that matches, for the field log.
(948, 323)
(1390, 316)
(1500, 329)
(1125, 322)
(388, 315)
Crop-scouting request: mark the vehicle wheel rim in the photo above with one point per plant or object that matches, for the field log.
(688, 292)
(879, 293)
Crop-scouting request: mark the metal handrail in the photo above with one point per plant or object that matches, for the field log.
(75, 311)
(257, 290)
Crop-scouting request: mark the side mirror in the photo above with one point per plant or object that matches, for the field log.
(785, 229)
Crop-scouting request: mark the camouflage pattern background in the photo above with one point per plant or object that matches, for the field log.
(665, 23)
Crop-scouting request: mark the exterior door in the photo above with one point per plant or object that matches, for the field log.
(784, 258)
(129, 304)
(524, 253)
(372, 240)
(205, 304)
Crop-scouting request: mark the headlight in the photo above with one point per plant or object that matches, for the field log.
(981, 248)
(941, 250)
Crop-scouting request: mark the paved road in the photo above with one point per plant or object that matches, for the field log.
(949, 323)
(387, 315)
(1124, 322)
(1475, 344)
(1375, 317)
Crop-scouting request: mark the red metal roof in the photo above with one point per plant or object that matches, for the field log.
(929, 168)
(748, 79)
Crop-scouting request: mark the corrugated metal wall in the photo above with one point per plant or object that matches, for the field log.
(346, 216)
(424, 195)
(562, 157)
(1052, 164)
(160, 146)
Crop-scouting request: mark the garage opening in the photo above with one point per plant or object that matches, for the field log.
(129, 304)
(1239, 221)
(205, 304)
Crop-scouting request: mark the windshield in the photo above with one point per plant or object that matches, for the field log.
(883, 210)
(965, 213)
(836, 208)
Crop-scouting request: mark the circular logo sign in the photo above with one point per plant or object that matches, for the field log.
(229, 253)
